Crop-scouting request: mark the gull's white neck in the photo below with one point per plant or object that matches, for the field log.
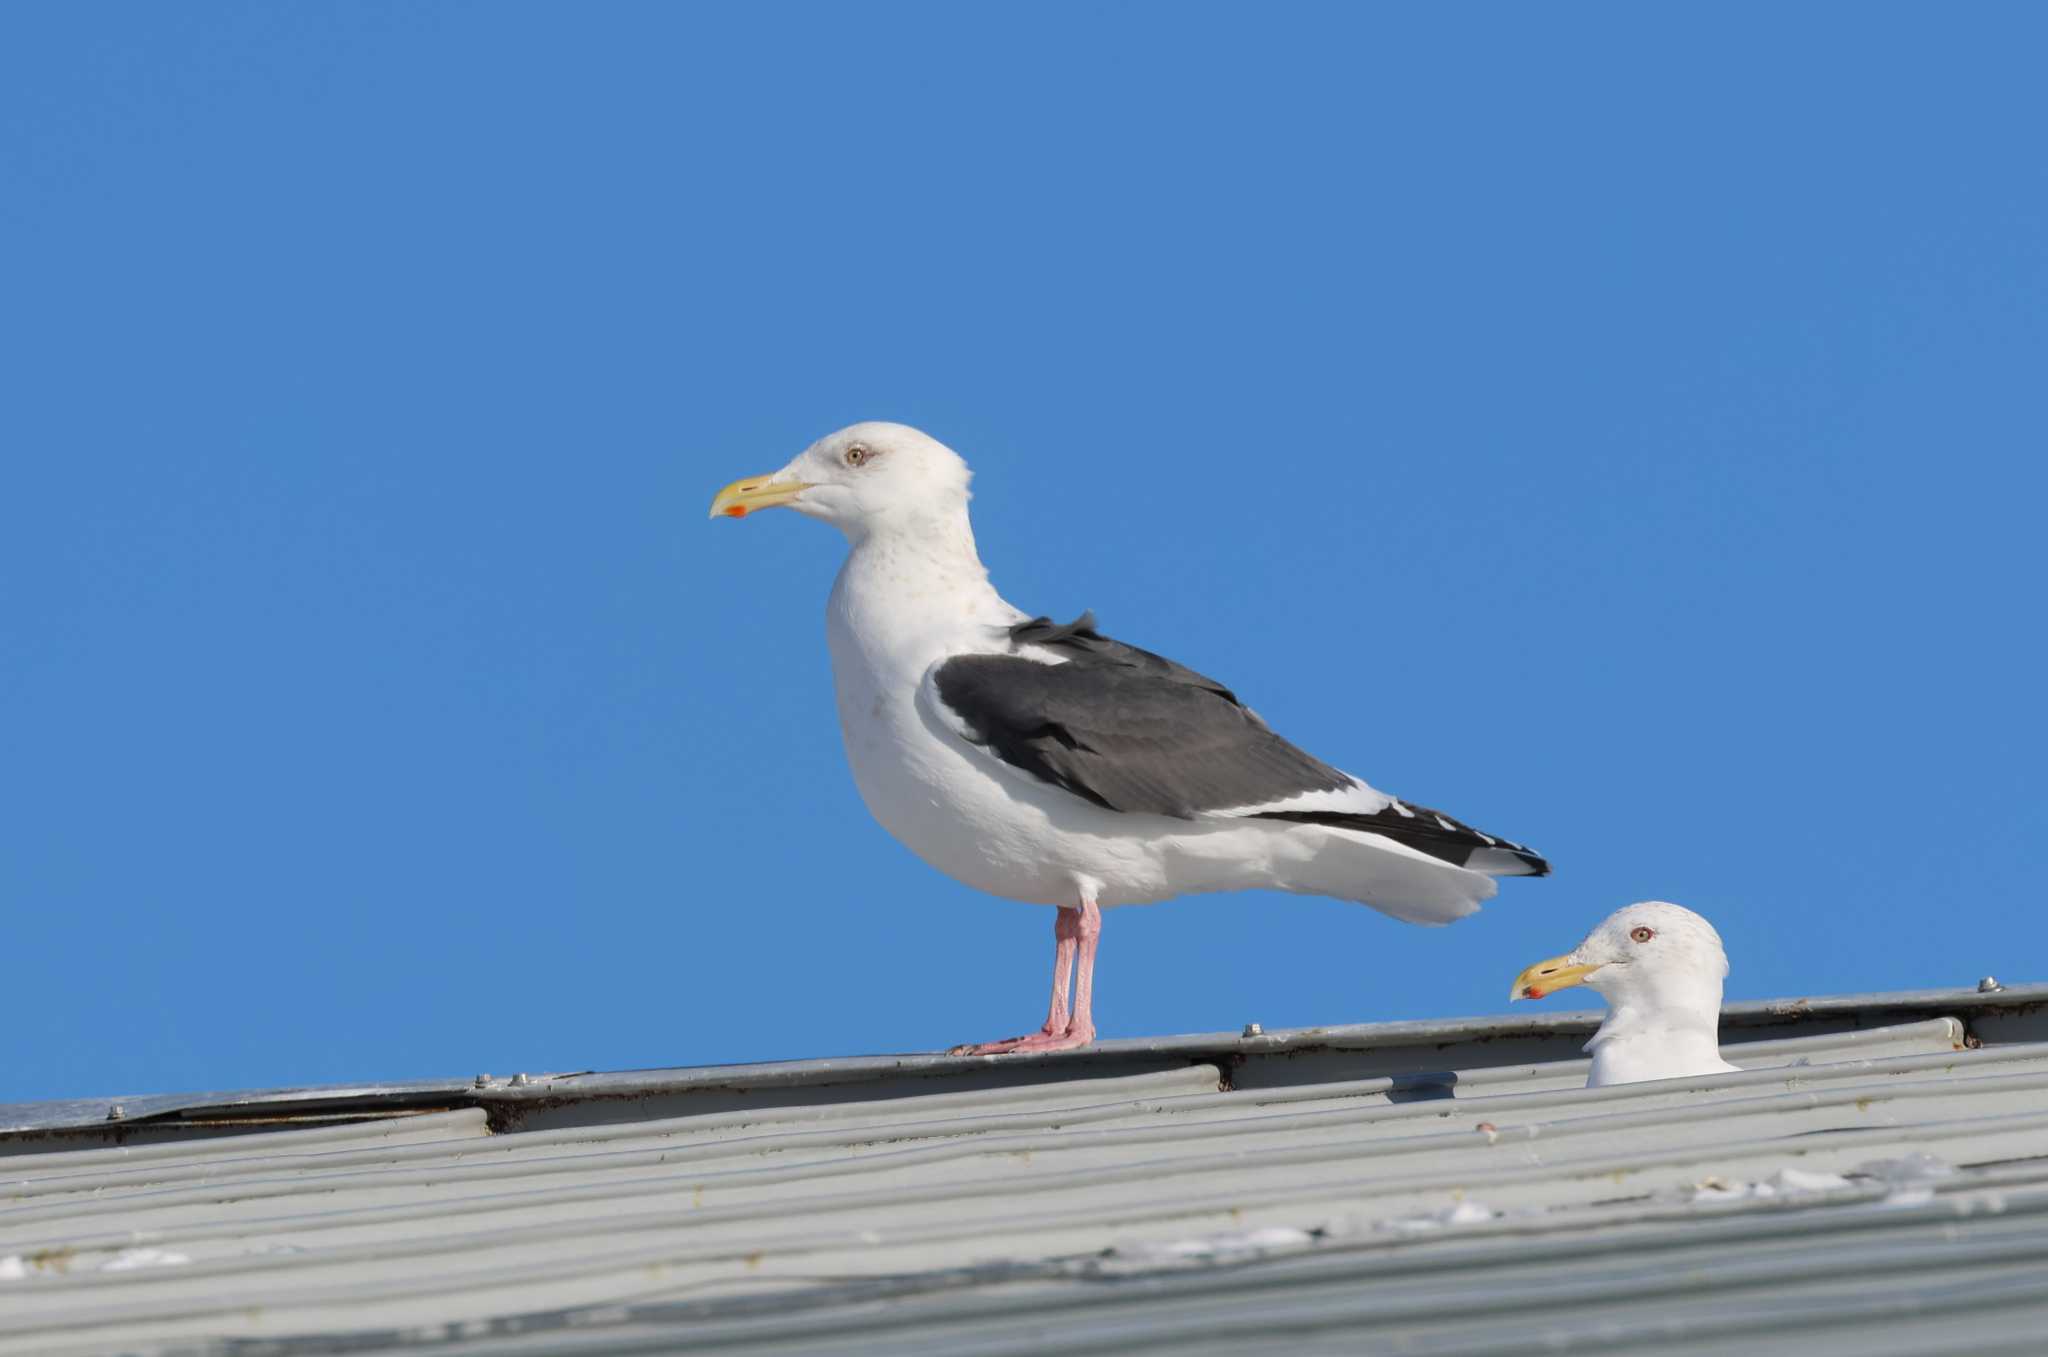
(913, 589)
(1658, 1027)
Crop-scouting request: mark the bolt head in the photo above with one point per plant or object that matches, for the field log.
(483, 1081)
(1989, 985)
(1252, 1029)
(520, 1080)
(116, 1112)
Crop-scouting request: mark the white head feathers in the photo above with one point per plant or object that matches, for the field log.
(866, 478)
(1660, 968)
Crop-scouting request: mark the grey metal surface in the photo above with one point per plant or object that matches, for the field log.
(1298, 1055)
(1875, 1179)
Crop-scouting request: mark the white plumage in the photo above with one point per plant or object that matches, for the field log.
(1660, 968)
(1117, 787)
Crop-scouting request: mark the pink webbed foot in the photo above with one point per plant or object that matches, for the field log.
(1067, 1025)
(1041, 1040)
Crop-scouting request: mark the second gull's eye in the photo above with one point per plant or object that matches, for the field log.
(1642, 934)
(857, 455)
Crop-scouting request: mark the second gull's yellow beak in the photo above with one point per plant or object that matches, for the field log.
(749, 493)
(1548, 977)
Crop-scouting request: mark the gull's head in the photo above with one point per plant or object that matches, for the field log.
(1653, 951)
(863, 477)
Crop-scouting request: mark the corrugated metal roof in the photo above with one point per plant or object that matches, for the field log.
(1875, 1179)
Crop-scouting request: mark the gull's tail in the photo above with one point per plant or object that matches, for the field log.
(1419, 865)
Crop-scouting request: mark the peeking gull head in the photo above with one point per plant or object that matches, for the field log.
(865, 478)
(1660, 968)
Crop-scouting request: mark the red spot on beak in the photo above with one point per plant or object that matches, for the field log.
(737, 511)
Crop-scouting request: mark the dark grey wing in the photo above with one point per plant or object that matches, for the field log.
(1124, 728)
(1079, 640)
(1133, 731)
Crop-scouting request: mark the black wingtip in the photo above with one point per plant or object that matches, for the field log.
(1428, 831)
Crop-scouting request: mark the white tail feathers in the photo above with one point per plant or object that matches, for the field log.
(1391, 877)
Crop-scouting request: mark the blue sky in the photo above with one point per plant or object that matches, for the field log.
(1621, 426)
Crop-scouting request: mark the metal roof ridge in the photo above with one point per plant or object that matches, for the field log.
(1751, 1018)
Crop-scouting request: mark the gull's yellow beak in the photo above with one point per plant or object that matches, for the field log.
(1548, 977)
(749, 493)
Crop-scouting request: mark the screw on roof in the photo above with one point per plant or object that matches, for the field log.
(483, 1081)
(1989, 985)
(116, 1112)
(1252, 1029)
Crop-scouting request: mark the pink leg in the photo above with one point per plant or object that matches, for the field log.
(1066, 928)
(1073, 930)
(1081, 1025)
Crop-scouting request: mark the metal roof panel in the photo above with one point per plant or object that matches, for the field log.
(1875, 1176)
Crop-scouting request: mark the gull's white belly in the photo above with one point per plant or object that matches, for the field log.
(1003, 832)
(968, 824)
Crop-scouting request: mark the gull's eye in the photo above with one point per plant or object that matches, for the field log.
(1640, 934)
(858, 455)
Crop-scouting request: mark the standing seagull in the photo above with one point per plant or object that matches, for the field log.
(1047, 763)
